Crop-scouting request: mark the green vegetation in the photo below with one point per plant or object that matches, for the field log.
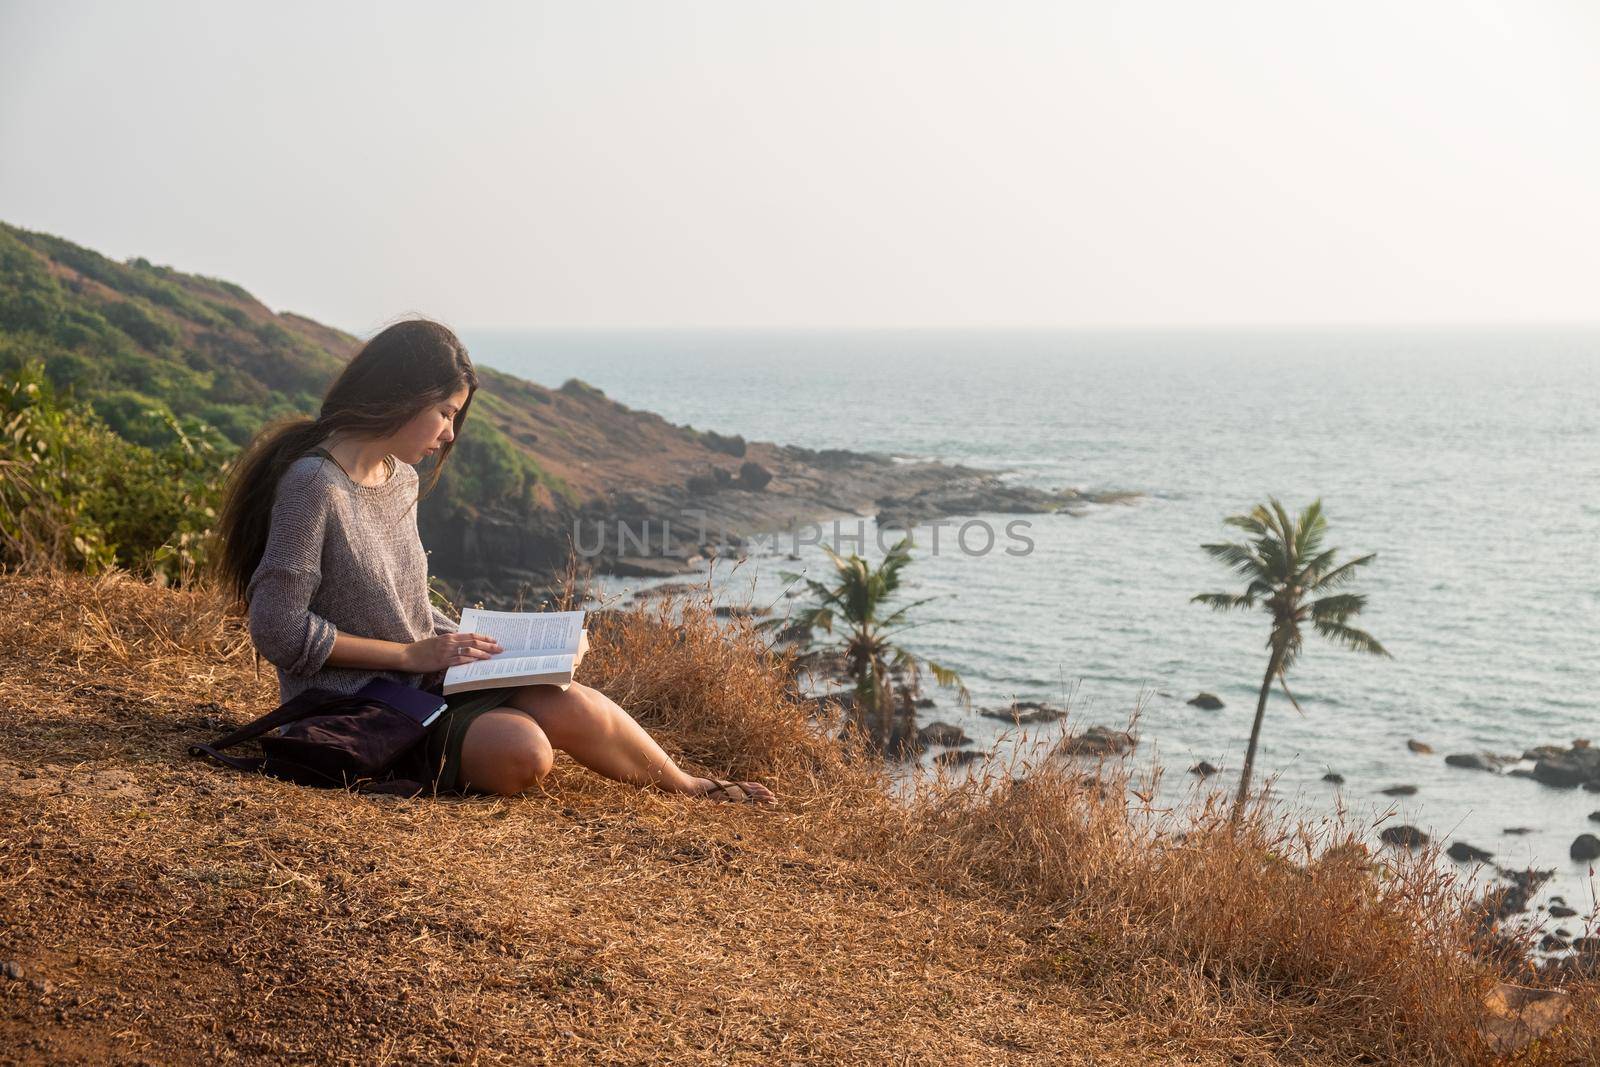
(74, 493)
(858, 601)
(1284, 564)
(731, 444)
(128, 387)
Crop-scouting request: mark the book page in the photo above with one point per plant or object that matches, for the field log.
(506, 666)
(527, 632)
(534, 643)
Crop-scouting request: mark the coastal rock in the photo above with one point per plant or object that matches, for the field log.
(1203, 769)
(1206, 701)
(1592, 787)
(1462, 852)
(1025, 713)
(1517, 831)
(1097, 741)
(1335, 778)
(1527, 878)
(1399, 791)
(956, 757)
(1585, 847)
(1594, 816)
(1561, 911)
(1420, 747)
(987, 494)
(1572, 768)
(1475, 761)
(943, 733)
(644, 566)
(1403, 836)
(1514, 898)
(1544, 752)
(1517, 1016)
(738, 611)
(670, 589)
(752, 476)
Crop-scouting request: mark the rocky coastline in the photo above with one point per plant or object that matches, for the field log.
(766, 501)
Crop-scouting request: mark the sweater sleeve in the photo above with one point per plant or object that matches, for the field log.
(282, 624)
(442, 623)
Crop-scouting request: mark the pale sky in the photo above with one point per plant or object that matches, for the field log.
(751, 163)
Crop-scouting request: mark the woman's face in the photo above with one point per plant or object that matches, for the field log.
(428, 430)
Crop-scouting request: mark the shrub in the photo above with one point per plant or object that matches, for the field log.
(74, 493)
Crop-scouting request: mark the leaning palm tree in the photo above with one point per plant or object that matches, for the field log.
(1292, 578)
(858, 602)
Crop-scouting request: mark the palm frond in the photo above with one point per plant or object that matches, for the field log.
(947, 676)
(1224, 601)
(1284, 683)
(1310, 529)
(1337, 607)
(1242, 558)
(1343, 573)
(1351, 638)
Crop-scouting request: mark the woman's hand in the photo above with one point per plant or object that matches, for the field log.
(448, 650)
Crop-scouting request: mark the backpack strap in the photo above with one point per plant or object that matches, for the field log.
(306, 703)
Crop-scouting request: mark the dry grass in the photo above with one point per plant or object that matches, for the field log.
(167, 911)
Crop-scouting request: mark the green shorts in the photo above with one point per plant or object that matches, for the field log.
(437, 760)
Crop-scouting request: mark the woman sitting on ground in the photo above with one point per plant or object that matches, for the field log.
(318, 537)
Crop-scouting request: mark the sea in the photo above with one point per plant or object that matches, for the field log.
(1468, 460)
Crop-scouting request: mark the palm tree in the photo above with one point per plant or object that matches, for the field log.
(1291, 577)
(857, 602)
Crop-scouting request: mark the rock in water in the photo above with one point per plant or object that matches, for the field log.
(1025, 713)
(1594, 816)
(1570, 769)
(1336, 779)
(1517, 830)
(1586, 847)
(1474, 761)
(1206, 701)
(943, 733)
(1203, 769)
(1097, 741)
(1403, 836)
(1462, 852)
(1419, 746)
(1399, 791)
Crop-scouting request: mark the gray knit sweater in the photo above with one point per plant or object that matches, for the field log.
(340, 556)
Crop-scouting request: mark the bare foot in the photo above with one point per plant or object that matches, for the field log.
(733, 792)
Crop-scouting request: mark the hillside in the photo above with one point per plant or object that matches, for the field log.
(161, 910)
(533, 462)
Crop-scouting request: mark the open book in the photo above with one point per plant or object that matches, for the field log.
(541, 647)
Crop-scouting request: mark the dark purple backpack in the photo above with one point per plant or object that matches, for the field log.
(329, 740)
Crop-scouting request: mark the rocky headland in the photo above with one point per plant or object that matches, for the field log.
(642, 497)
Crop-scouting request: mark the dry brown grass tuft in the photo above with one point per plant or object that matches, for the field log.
(167, 911)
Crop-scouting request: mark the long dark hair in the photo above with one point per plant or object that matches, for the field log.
(400, 371)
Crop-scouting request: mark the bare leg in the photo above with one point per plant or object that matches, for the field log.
(505, 752)
(591, 728)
